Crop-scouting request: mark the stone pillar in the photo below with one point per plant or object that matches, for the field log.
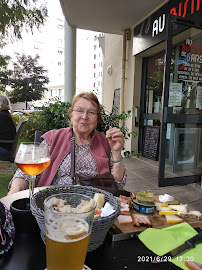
(70, 63)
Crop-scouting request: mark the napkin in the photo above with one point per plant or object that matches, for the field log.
(161, 241)
(164, 198)
(107, 210)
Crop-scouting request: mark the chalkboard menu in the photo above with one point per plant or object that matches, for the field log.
(151, 142)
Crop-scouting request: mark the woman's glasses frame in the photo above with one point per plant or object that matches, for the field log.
(81, 111)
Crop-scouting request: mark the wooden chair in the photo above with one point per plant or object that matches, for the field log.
(11, 157)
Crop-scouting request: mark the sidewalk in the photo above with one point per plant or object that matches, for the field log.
(144, 176)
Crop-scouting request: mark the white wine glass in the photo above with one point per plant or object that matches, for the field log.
(32, 158)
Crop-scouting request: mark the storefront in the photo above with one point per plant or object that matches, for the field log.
(170, 118)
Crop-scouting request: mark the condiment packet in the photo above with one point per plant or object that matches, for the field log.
(165, 198)
(107, 210)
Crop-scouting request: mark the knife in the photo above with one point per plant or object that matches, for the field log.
(190, 243)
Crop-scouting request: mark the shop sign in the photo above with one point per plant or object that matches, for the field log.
(153, 30)
(189, 64)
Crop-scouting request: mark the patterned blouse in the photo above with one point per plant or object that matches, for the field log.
(84, 164)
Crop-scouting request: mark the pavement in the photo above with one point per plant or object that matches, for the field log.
(143, 175)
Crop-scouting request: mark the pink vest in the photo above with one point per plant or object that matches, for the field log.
(60, 145)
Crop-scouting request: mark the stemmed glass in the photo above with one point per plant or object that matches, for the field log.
(32, 158)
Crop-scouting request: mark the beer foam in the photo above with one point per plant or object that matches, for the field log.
(29, 160)
(67, 229)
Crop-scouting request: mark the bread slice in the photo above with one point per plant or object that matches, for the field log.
(125, 219)
(141, 220)
(99, 198)
(191, 214)
(108, 134)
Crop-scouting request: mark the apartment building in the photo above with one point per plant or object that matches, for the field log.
(49, 43)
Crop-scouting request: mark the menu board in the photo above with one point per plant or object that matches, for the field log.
(151, 142)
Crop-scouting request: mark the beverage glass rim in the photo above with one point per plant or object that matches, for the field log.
(64, 213)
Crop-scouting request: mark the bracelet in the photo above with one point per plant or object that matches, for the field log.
(118, 160)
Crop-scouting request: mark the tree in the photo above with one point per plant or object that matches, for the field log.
(27, 79)
(19, 14)
(4, 73)
(15, 16)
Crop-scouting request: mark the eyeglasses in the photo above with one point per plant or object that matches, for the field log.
(81, 111)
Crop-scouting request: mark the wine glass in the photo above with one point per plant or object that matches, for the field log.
(32, 158)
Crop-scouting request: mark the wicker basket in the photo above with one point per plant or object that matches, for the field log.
(101, 225)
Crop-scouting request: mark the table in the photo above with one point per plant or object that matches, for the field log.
(28, 252)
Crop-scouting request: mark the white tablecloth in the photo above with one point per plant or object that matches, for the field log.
(7, 200)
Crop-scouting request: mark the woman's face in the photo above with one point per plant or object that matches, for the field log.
(84, 116)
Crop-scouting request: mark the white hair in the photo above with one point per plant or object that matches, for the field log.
(4, 103)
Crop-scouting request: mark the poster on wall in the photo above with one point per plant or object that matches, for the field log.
(175, 94)
(199, 97)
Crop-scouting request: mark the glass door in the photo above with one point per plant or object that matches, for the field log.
(180, 156)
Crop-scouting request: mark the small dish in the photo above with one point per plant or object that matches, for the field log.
(143, 209)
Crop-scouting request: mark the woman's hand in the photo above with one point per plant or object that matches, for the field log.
(17, 185)
(116, 142)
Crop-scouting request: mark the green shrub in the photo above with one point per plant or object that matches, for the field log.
(54, 116)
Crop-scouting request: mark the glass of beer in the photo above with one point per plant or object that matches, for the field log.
(68, 223)
(32, 158)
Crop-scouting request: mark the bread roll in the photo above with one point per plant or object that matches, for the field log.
(108, 134)
(99, 199)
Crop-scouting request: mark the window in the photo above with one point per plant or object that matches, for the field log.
(59, 64)
(95, 38)
(94, 56)
(95, 47)
(61, 92)
(154, 83)
(94, 75)
(94, 84)
(54, 92)
(60, 52)
(94, 66)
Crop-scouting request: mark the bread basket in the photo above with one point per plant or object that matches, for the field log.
(101, 225)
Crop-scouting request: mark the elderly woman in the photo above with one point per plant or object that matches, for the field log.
(94, 153)
(8, 128)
